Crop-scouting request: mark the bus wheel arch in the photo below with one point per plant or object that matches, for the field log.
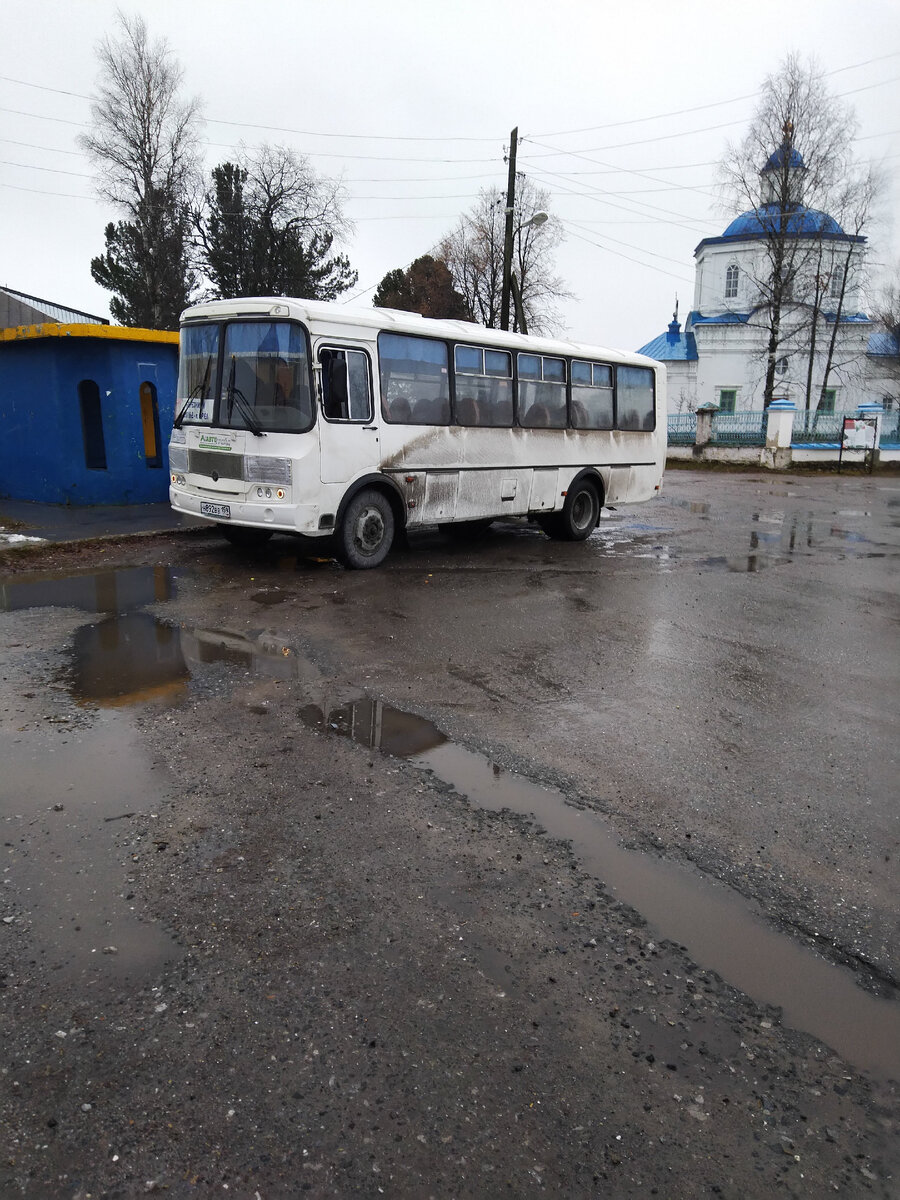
(368, 520)
(581, 511)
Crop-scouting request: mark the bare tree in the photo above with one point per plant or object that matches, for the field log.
(474, 253)
(787, 170)
(144, 147)
(853, 206)
(268, 225)
(886, 310)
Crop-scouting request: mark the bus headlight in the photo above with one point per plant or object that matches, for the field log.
(259, 468)
(178, 479)
(178, 458)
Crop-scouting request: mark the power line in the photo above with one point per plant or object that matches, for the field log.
(54, 170)
(495, 140)
(600, 199)
(619, 254)
(701, 107)
(640, 174)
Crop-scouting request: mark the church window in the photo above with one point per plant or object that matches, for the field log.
(826, 404)
(834, 288)
(727, 399)
(731, 282)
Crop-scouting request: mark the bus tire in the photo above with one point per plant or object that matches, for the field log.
(367, 530)
(244, 536)
(580, 513)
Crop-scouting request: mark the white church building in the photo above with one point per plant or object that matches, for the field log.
(719, 358)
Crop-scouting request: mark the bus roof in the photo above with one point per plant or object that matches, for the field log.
(398, 321)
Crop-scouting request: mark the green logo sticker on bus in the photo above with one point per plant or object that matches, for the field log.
(214, 441)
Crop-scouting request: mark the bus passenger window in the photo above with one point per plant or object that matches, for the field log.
(483, 386)
(415, 379)
(592, 396)
(542, 392)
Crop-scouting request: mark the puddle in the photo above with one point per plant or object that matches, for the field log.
(136, 658)
(720, 929)
(67, 800)
(99, 592)
(127, 660)
(748, 563)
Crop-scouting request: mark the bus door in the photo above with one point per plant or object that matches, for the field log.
(349, 439)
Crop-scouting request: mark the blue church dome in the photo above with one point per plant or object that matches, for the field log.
(776, 160)
(800, 220)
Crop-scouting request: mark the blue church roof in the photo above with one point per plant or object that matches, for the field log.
(726, 318)
(673, 346)
(801, 220)
(884, 345)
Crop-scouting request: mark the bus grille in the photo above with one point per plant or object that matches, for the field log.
(226, 466)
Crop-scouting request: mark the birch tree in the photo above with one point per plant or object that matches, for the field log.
(144, 146)
(788, 169)
(473, 251)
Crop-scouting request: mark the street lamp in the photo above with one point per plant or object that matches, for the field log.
(510, 283)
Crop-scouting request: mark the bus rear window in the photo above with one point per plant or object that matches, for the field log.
(635, 399)
(415, 381)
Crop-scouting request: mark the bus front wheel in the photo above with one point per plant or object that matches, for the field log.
(367, 530)
(579, 515)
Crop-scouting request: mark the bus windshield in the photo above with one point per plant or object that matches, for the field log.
(264, 383)
(265, 377)
(198, 361)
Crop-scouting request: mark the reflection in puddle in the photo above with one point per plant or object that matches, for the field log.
(99, 592)
(746, 564)
(135, 658)
(127, 660)
(378, 726)
(719, 928)
(79, 793)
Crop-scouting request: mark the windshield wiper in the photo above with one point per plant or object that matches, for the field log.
(199, 390)
(244, 408)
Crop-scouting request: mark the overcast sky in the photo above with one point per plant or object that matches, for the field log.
(624, 110)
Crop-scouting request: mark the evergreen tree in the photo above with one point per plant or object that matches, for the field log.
(425, 287)
(268, 228)
(146, 265)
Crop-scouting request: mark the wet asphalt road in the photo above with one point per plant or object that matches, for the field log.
(717, 670)
(702, 700)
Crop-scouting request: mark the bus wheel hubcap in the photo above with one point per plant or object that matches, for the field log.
(370, 529)
(582, 510)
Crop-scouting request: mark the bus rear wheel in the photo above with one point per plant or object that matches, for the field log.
(245, 536)
(579, 516)
(367, 530)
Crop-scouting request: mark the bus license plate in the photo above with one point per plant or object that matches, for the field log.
(214, 510)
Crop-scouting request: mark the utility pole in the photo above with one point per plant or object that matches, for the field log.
(508, 233)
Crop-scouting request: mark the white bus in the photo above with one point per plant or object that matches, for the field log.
(314, 419)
